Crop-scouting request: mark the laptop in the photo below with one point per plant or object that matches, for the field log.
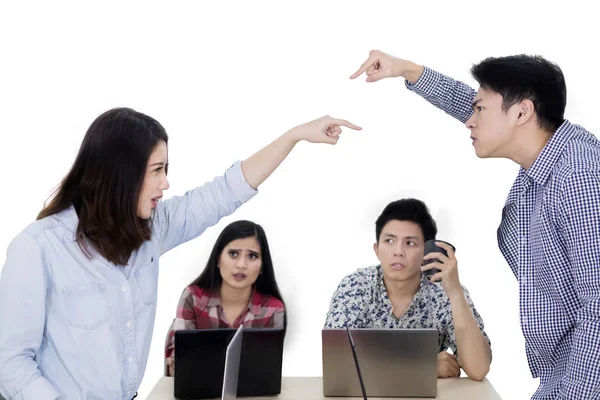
(391, 362)
(200, 362)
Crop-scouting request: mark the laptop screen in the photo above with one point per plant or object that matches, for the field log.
(232, 366)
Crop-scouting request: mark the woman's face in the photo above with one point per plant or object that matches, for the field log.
(155, 181)
(240, 263)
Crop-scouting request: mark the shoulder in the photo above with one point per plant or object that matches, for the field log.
(580, 157)
(361, 279)
(50, 225)
(33, 240)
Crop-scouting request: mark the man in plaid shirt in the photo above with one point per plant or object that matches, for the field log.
(550, 228)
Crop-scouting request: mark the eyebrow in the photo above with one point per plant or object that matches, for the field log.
(405, 237)
(475, 103)
(157, 163)
(250, 251)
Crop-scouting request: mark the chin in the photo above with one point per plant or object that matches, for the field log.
(487, 153)
(481, 154)
(239, 285)
(144, 215)
(401, 275)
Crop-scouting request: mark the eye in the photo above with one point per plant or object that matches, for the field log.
(233, 253)
(479, 108)
(158, 169)
(389, 240)
(411, 243)
(253, 256)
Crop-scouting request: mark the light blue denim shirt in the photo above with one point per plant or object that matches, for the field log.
(80, 328)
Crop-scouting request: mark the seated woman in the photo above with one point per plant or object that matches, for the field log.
(236, 287)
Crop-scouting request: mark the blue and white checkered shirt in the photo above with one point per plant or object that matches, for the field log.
(550, 237)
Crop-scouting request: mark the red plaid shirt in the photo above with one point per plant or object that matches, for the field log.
(201, 309)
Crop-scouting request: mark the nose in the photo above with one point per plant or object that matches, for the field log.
(241, 263)
(399, 250)
(471, 122)
(164, 183)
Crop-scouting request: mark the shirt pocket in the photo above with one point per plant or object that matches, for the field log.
(147, 280)
(86, 305)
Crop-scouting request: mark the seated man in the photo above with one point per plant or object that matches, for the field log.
(395, 295)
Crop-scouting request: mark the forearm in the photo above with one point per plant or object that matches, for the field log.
(449, 95)
(473, 349)
(260, 165)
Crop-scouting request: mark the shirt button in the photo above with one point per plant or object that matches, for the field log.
(124, 289)
(129, 324)
(130, 359)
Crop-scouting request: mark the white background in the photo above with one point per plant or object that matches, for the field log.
(227, 78)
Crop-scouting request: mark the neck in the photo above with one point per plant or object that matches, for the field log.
(402, 289)
(234, 297)
(529, 146)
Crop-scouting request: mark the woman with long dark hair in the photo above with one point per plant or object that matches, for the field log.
(237, 287)
(78, 289)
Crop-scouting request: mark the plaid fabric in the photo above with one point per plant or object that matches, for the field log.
(201, 309)
(550, 236)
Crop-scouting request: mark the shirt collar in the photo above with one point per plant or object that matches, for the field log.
(213, 299)
(544, 163)
(540, 170)
(69, 222)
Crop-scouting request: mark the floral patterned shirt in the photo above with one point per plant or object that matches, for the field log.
(361, 301)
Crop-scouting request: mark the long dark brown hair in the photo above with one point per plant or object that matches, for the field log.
(105, 182)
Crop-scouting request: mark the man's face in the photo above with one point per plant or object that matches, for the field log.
(492, 128)
(400, 250)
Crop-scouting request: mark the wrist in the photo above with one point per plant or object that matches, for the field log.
(292, 136)
(411, 71)
(455, 293)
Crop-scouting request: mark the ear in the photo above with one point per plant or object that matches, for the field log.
(525, 112)
(376, 249)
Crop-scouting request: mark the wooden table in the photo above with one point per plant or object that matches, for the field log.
(312, 389)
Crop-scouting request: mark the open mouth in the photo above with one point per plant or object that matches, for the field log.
(155, 201)
(239, 277)
(398, 266)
